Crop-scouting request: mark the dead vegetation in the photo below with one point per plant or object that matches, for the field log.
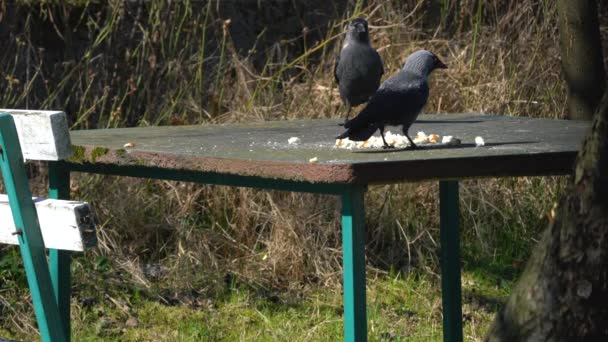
(190, 62)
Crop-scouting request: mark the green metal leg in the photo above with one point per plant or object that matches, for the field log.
(450, 261)
(353, 245)
(28, 229)
(59, 260)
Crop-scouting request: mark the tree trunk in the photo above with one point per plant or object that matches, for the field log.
(581, 52)
(562, 294)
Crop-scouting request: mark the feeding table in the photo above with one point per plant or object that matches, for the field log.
(258, 155)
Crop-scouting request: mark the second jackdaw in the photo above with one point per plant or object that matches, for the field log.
(398, 101)
(358, 67)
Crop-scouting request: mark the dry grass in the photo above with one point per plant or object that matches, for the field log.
(149, 63)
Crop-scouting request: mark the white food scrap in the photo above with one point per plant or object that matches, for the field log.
(450, 140)
(395, 140)
(401, 141)
(421, 138)
(129, 144)
(313, 160)
(293, 141)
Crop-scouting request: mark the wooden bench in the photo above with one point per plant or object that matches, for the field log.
(37, 224)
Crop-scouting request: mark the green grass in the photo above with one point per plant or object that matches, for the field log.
(399, 309)
(107, 307)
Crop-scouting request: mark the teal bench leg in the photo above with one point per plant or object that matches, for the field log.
(30, 237)
(353, 246)
(450, 261)
(59, 260)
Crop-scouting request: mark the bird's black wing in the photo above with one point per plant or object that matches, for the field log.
(393, 103)
(375, 109)
(363, 126)
(387, 107)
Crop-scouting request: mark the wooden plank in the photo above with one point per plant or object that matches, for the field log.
(43, 135)
(65, 225)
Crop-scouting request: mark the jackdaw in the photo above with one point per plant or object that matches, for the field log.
(358, 67)
(398, 101)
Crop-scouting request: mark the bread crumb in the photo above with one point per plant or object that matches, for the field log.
(421, 138)
(129, 144)
(434, 138)
(293, 141)
(395, 140)
(479, 141)
(450, 140)
(313, 160)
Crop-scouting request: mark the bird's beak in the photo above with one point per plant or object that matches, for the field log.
(360, 28)
(440, 65)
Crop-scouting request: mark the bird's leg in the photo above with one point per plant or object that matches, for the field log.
(412, 145)
(348, 109)
(386, 145)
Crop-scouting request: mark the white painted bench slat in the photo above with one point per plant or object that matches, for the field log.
(43, 134)
(65, 225)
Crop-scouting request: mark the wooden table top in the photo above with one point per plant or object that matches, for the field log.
(514, 146)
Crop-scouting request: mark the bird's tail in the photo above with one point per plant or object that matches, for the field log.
(361, 133)
(359, 128)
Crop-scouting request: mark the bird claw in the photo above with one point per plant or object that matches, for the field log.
(341, 123)
(388, 147)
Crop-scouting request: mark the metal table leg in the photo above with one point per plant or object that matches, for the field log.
(450, 261)
(353, 245)
(60, 260)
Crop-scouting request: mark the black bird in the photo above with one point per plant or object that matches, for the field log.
(358, 68)
(398, 101)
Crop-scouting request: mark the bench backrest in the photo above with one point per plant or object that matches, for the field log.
(42, 135)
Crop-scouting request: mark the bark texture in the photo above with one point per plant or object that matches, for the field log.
(563, 292)
(581, 53)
